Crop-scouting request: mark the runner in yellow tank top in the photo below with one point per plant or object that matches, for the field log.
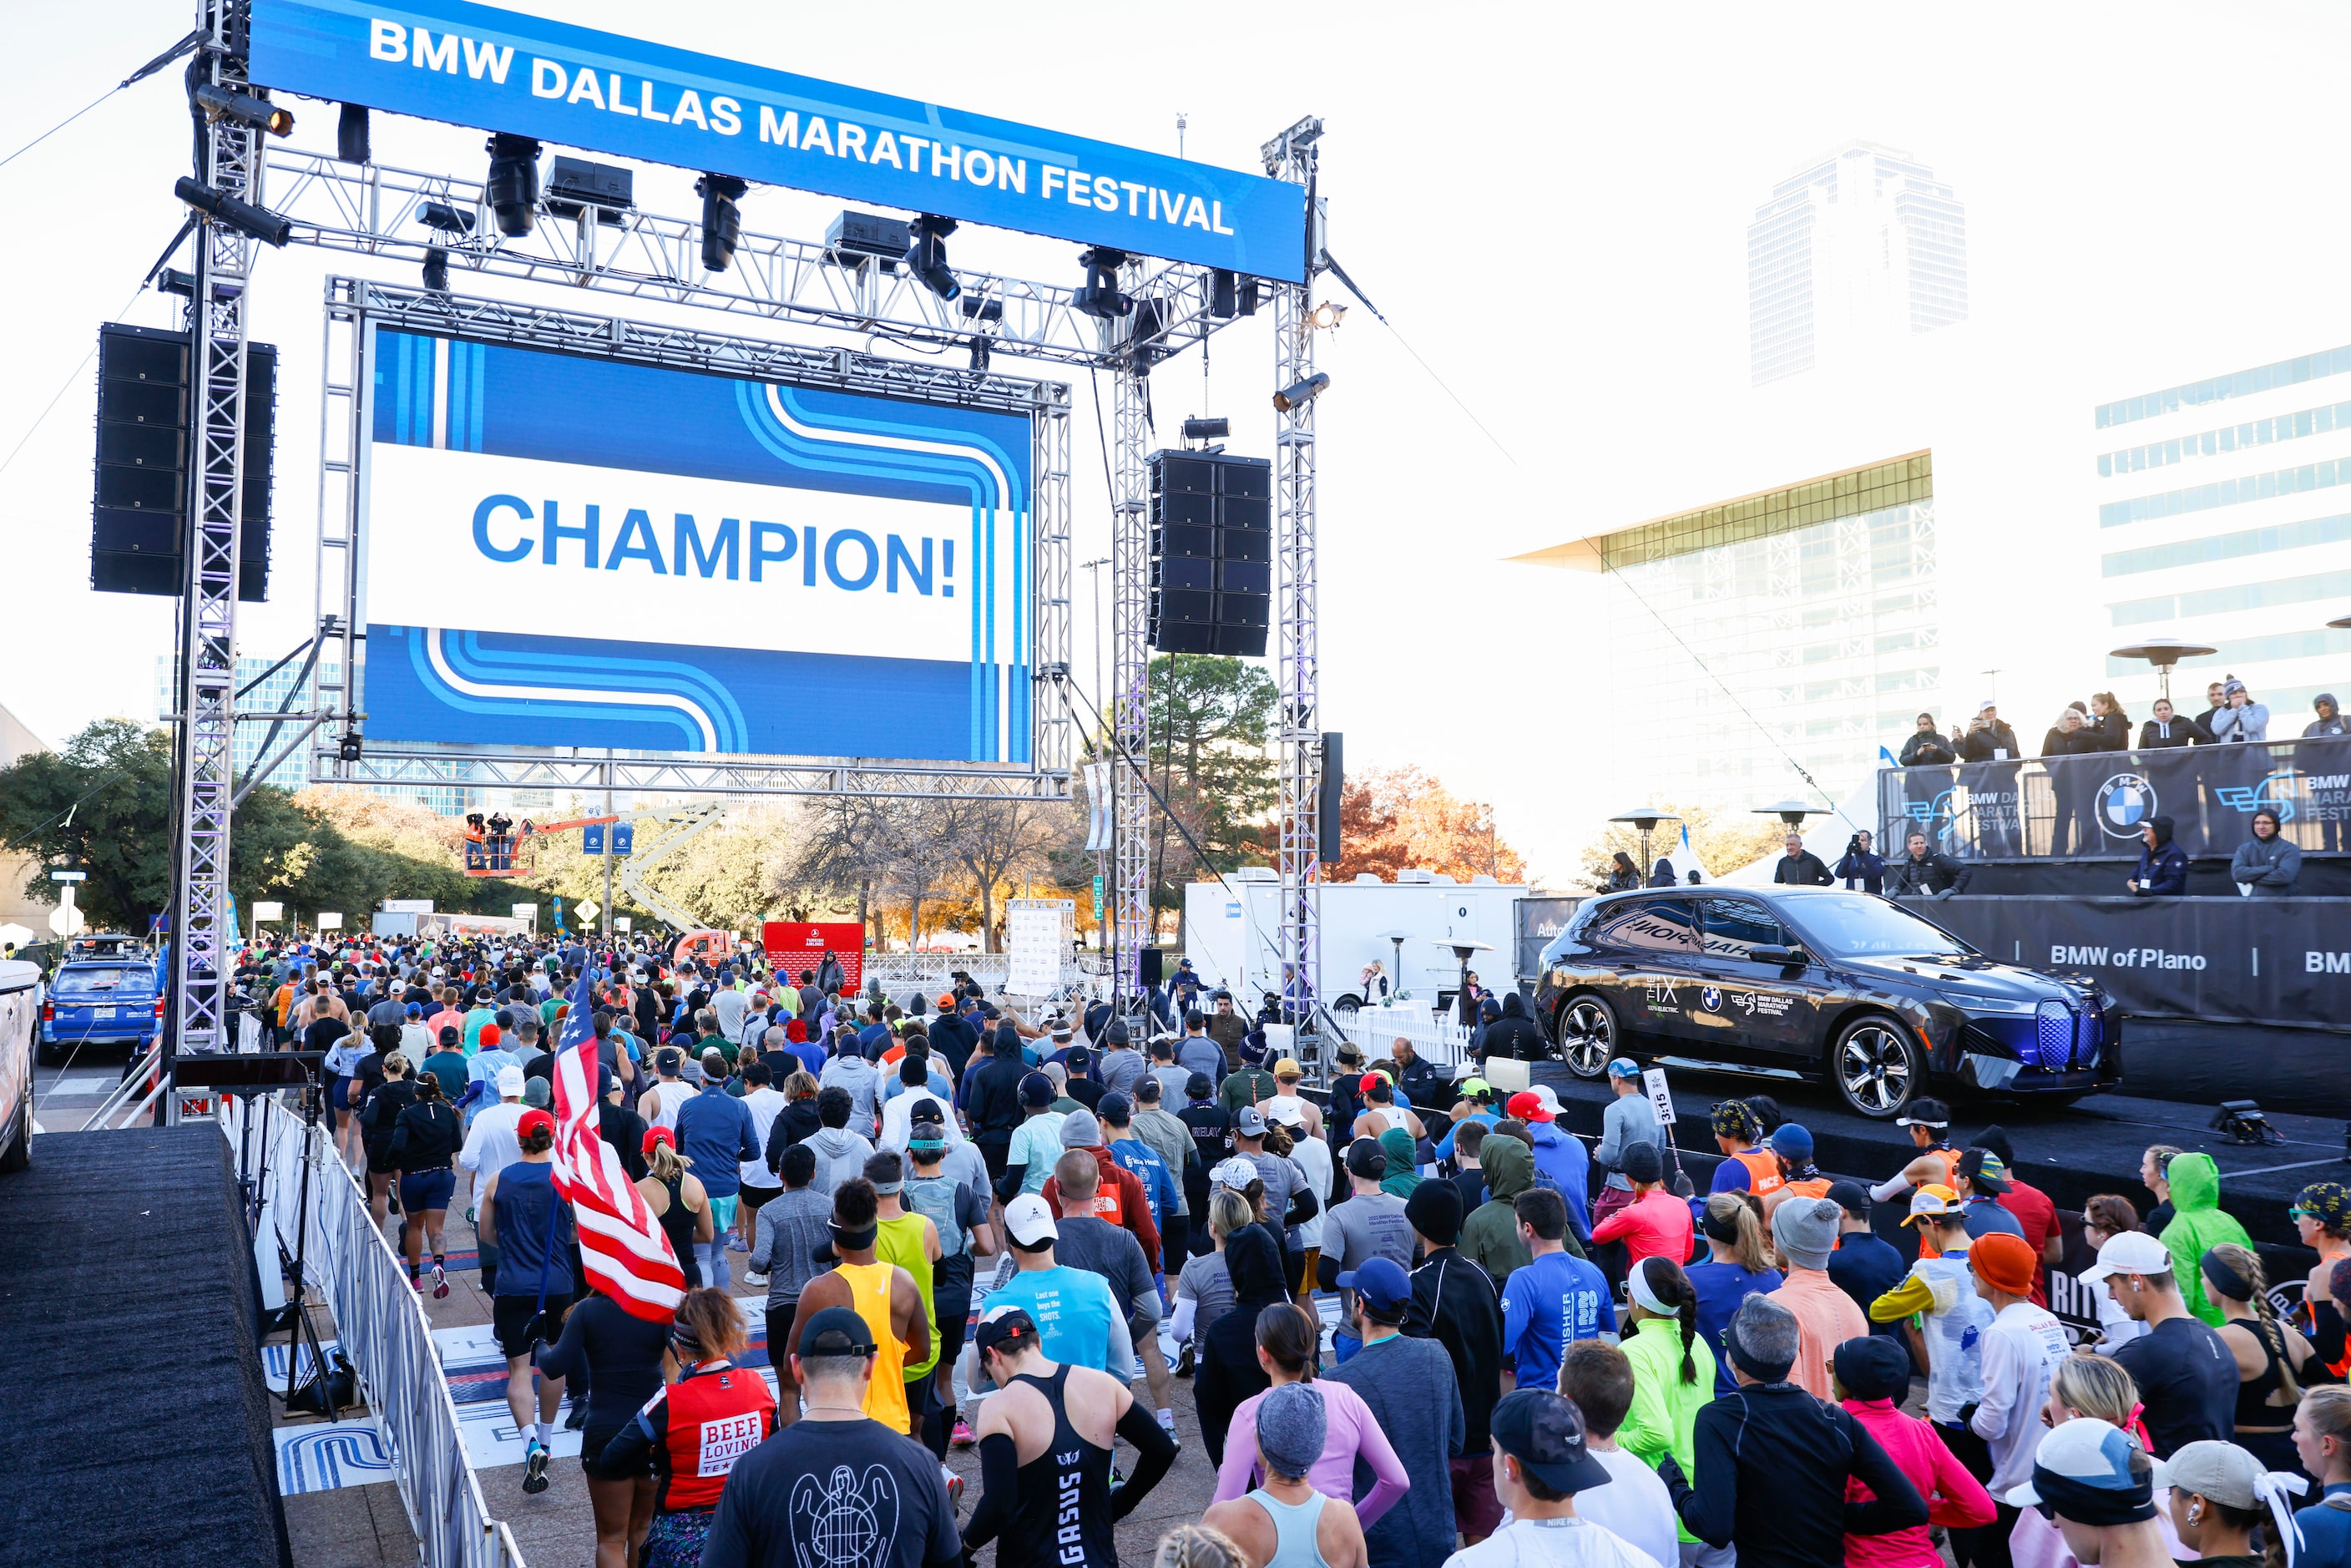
(882, 1293)
(912, 1242)
(885, 1395)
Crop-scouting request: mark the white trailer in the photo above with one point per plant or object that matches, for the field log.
(1231, 934)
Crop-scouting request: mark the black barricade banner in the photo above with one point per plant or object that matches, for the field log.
(2220, 960)
(1540, 920)
(2094, 806)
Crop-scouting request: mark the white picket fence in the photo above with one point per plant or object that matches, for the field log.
(932, 973)
(1436, 1038)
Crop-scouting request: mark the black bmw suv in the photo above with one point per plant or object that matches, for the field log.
(1817, 982)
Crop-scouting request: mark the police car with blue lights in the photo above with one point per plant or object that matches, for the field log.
(1817, 984)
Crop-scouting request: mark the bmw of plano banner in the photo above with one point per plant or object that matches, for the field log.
(501, 70)
(566, 551)
(2217, 960)
(2093, 806)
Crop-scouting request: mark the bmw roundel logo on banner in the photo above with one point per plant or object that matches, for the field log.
(1711, 997)
(2125, 803)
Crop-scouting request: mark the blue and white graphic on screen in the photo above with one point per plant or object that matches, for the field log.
(566, 551)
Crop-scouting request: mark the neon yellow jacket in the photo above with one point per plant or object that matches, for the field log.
(1664, 1416)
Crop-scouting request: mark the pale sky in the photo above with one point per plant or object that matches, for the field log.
(1550, 203)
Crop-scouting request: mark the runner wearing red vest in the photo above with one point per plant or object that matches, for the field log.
(695, 1428)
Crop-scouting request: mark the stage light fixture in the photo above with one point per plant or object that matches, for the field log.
(436, 270)
(979, 355)
(225, 103)
(444, 218)
(977, 308)
(512, 188)
(722, 220)
(926, 255)
(1207, 429)
(1101, 298)
(1301, 393)
(259, 222)
(1329, 313)
(352, 144)
(171, 280)
(350, 749)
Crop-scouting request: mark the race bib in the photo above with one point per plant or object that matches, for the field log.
(727, 1440)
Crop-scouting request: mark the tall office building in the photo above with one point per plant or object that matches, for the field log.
(1801, 624)
(1853, 252)
(2224, 517)
(271, 695)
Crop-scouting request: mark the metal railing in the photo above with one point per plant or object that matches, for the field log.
(934, 971)
(381, 1326)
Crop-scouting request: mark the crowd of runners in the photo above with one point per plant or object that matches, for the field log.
(964, 1224)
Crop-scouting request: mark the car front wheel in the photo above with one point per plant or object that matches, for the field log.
(1877, 1065)
(1587, 1036)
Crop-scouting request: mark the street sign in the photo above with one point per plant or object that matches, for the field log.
(265, 910)
(624, 837)
(622, 922)
(330, 920)
(69, 876)
(525, 911)
(66, 920)
(1654, 1080)
(591, 842)
(1098, 895)
(588, 909)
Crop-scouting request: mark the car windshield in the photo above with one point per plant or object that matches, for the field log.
(82, 982)
(1854, 928)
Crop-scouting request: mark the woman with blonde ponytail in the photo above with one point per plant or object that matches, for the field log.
(2094, 1388)
(2270, 1354)
(1739, 1267)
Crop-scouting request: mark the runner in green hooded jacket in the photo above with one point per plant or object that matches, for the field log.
(2197, 1227)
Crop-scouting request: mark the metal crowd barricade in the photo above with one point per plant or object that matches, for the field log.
(381, 1326)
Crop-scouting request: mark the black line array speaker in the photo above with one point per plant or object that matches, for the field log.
(1328, 847)
(146, 444)
(1211, 553)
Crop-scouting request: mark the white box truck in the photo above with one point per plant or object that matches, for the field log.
(1232, 935)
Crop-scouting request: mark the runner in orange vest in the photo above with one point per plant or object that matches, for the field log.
(1936, 1164)
(1744, 1168)
(1791, 1148)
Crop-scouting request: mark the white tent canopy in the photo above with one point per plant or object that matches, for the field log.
(1857, 813)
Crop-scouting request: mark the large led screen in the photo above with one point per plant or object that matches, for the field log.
(569, 551)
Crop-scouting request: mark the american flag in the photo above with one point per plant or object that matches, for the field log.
(621, 1242)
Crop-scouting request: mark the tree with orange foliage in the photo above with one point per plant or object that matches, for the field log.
(1396, 818)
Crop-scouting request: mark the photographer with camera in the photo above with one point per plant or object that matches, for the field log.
(1860, 866)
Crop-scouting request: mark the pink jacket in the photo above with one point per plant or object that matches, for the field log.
(1351, 1432)
(1955, 1499)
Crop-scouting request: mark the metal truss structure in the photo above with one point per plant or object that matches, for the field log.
(227, 158)
(373, 210)
(369, 210)
(1130, 690)
(1292, 156)
(356, 307)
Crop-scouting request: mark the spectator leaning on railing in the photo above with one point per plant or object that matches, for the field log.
(2265, 865)
(1922, 873)
(1927, 747)
(2167, 730)
(2242, 718)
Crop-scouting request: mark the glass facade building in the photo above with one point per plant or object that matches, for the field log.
(1799, 625)
(294, 772)
(1852, 250)
(2206, 534)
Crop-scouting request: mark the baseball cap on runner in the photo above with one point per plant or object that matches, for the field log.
(836, 1331)
(1001, 1325)
(1029, 1218)
(1932, 1201)
(1926, 1114)
(1544, 1432)
(2090, 1472)
(1234, 1174)
(1623, 1066)
(2128, 1252)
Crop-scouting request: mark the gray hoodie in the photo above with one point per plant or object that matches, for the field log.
(855, 1074)
(2269, 866)
(840, 1155)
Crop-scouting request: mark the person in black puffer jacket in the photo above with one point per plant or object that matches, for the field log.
(1229, 1372)
(1922, 873)
(1515, 1035)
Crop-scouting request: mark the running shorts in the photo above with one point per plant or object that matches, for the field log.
(515, 1319)
(421, 1190)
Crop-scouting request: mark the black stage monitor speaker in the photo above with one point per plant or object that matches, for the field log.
(1211, 553)
(1151, 965)
(145, 444)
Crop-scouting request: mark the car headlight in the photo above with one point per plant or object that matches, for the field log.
(1986, 1004)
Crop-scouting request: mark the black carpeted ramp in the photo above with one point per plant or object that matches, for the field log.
(135, 1425)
